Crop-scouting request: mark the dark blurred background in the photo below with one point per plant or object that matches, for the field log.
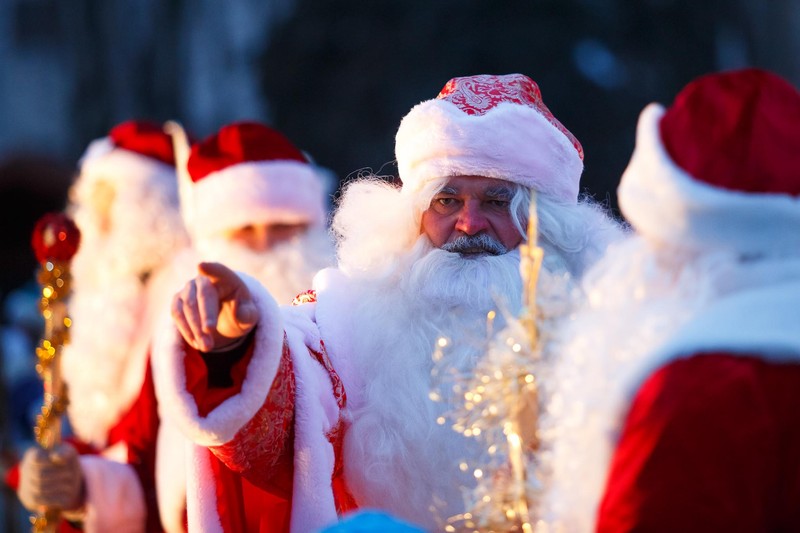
(336, 76)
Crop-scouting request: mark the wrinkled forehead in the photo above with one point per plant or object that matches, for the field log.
(478, 185)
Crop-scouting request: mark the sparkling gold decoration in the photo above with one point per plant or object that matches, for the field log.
(55, 282)
(55, 240)
(499, 407)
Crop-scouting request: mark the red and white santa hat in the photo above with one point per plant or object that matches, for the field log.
(248, 173)
(134, 151)
(720, 168)
(492, 126)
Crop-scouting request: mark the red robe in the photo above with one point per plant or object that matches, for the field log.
(111, 490)
(253, 472)
(120, 492)
(254, 463)
(702, 433)
(711, 443)
(114, 410)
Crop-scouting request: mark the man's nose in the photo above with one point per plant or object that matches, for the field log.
(261, 239)
(471, 219)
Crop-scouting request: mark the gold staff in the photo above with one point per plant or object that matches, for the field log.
(530, 263)
(55, 241)
(501, 393)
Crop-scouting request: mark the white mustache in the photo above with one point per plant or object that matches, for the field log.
(475, 243)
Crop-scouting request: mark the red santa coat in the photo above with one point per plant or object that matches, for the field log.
(395, 455)
(140, 482)
(708, 438)
(116, 421)
(120, 490)
(279, 425)
(113, 409)
(711, 443)
(127, 441)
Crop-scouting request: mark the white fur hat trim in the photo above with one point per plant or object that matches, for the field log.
(510, 142)
(287, 192)
(102, 160)
(668, 206)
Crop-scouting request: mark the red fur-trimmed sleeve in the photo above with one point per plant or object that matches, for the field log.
(209, 415)
(264, 442)
(697, 453)
(199, 384)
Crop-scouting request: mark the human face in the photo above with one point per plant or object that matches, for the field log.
(262, 237)
(471, 206)
(102, 200)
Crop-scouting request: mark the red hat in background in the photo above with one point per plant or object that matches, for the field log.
(492, 126)
(144, 138)
(720, 168)
(135, 157)
(248, 173)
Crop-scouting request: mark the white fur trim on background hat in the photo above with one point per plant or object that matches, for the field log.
(287, 192)
(248, 173)
(510, 135)
(670, 207)
(102, 160)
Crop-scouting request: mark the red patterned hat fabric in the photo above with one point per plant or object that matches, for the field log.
(476, 95)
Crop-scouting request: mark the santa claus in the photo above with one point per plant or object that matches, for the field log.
(249, 195)
(125, 203)
(325, 405)
(674, 401)
(251, 198)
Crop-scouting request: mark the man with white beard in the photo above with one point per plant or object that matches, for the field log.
(251, 197)
(252, 200)
(125, 203)
(684, 417)
(327, 407)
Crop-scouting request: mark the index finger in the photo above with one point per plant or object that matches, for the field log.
(227, 282)
(217, 272)
(208, 302)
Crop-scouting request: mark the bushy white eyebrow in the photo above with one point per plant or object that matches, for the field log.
(500, 193)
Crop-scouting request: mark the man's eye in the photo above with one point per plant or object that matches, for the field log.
(445, 202)
(499, 203)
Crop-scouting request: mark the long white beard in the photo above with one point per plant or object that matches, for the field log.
(104, 362)
(146, 231)
(285, 270)
(396, 455)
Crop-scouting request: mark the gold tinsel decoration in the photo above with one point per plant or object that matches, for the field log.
(500, 408)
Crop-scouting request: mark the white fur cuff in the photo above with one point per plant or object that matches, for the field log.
(222, 423)
(114, 497)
